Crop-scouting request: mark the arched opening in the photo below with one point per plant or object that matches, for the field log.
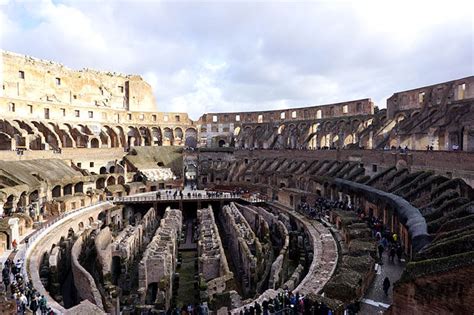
(151, 292)
(100, 183)
(67, 190)
(34, 196)
(79, 187)
(4, 242)
(221, 143)
(22, 202)
(111, 181)
(94, 143)
(121, 180)
(103, 170)
(112, 169)
(5, 141)
(56, 192)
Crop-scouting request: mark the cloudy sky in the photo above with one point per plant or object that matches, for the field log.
(238, 56)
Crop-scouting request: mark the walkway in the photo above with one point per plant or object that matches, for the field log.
(375, 301)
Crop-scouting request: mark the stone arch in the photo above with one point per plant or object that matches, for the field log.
(121, 180)
(348, 140)
(156, 136)
(100, 183)
(191, 137)
(133, 137)
(79, 187)
(146, 136)
(4, 241)
(111, 181)
(22, 200)
(33, 196)
(103, 170)
(95, 143)
(67, 190)
(56, 192)
(114, 139)
(5, 141)
(221, 143)
(168, 136)
(178, 135)
(9, 204)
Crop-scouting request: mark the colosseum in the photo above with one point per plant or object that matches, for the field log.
(109, 206)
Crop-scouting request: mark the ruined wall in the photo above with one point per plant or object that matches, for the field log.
(159, 259)
(433, 96)
(104, 253)
(244, 247)
(212, 263)
(83, 281)
(33, 79)
(440, 293)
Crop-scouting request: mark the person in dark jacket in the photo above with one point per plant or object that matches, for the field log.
(386, 285)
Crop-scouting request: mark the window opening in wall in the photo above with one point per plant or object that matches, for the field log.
(30, 109)
(46, 113)
(260, 119)
(345, 109)
(79, 164)
(461, 91)
(142, 116)
(74, 96)
(58, 81)
(63, 112)
(165, 118)
(91, 114)
(226, 118)
(11, 107)
(176, 118)
(91, 164)
(77, 113)
(421, 97)
(120, 89)
(237, 117)
(305, 113)
(319, 114)
(331, 111)
(374, 168)
(361, 165)
(153, 117)
(358, 107)
(129, 116)
(282, 115)
(21, 74)
(293, 114)
(104, 115)
(214, 118)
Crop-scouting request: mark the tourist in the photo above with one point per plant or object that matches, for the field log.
(43, 304)
(14, 244)
(399, 252)
(392, 253)
(34, 304)
(381, 250)
(386, 285)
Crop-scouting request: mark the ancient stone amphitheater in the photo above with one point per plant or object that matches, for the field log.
(117, 208)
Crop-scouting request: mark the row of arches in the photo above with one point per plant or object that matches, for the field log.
(39, 135)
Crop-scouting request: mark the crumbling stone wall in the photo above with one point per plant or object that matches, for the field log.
(83, 281)
(212, 263)
(158, 264)
(244, 247)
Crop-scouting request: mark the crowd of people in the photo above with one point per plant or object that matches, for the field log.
(287, 303)
(386, 240)
(22, 292)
